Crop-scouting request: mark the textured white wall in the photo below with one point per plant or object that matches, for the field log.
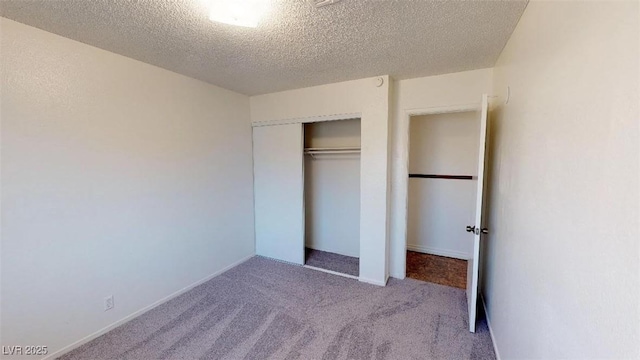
(332, 188)
(562, 256)
(440, 209)
(372, 102)
(427, 92)
(117, 178)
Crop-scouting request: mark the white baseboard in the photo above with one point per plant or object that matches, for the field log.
(439, 252)
(134, 315)
(330, 272)
(372, 282)
(493, 338)
(399, 277)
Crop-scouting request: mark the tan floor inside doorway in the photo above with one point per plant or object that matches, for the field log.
(437, 269)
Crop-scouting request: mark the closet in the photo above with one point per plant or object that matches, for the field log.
(307, 194)
(332, 195)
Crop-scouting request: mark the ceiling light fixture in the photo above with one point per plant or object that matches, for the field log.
(238, 12)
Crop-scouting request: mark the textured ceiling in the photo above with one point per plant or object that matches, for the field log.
(295, 46)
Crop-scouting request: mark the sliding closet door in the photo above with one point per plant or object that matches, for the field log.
(278, 186)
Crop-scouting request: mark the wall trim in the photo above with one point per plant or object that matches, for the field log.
(440, 252)
(372, 282)
(493, 338)
(308, 119)
(330, 272)
(145, 309)
(443, 109)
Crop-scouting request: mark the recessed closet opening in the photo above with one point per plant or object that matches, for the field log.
(332, 196)
(443, 166)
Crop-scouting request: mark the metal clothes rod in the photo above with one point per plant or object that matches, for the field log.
(332, 149)
(434, 176)
(335, 150)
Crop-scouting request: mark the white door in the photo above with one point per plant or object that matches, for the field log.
(478, 230)
(278, 192)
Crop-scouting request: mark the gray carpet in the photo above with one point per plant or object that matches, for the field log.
(264, 309)
(334, 262)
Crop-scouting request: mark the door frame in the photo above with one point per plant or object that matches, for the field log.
(403, 186)
(309, 119)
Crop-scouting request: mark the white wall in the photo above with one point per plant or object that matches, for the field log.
(440, 209)
(117, 178)
(421, 93)
(332, 188)
(562, 260)
(372, 103)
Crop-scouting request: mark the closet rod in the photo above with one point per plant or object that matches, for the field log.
(332, 149)
(333, 152)
(434, 176)
(328, 151)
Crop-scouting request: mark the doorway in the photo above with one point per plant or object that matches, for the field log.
(477, 228)
(443, 164)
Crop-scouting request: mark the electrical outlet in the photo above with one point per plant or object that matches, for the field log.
(108, 303)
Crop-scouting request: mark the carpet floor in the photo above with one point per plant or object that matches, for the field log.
(264, 309)
(437, 269)
(334, 262)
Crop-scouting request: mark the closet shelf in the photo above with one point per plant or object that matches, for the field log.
(332, 151)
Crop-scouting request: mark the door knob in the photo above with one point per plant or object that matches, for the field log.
(471, 229)
(485, 230)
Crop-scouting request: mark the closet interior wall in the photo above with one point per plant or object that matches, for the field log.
(332, 187)
(439, 209)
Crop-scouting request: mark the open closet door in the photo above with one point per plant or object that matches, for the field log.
(478, 229)
(278, 192)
